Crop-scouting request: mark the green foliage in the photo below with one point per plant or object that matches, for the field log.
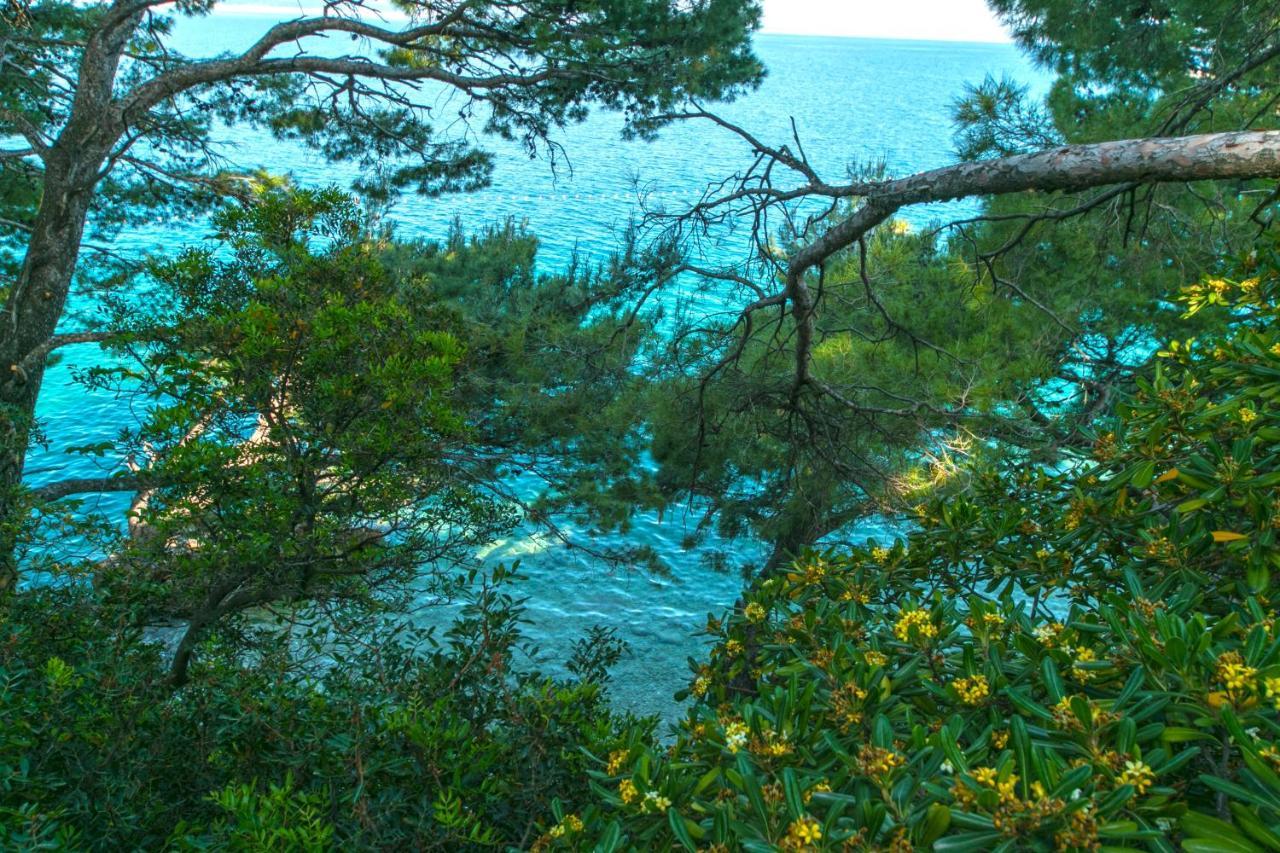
(334, 416)
(1021, 325)
(301, 424)
(278, 819)
(554, 373)
(403, 740)
(927, 354)
(1051, 659)
(1071, 657)
(1130, 61)
(670, 52)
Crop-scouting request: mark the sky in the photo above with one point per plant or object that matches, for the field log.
(935, 20)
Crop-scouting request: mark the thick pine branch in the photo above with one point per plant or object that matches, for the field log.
(1211, 156)
(1214, 156)
(257, 62)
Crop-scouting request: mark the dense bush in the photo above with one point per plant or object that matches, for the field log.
(408, 744)
(1074, 660)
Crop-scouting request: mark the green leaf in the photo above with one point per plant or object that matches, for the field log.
(1217, 845)
(679, 830)
(611, 838)
(970, 841)
(1253, 827)
(752, 786)
(937, 820)
(1212, 830)
(791, 791)
(1131, 685)
(1052, 679)
(1182, 734)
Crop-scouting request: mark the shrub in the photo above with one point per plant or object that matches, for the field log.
(1070, 660)
(1074, 659)
(406, 742)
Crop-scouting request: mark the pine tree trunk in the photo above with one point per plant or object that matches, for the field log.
(30, 318)
(73, 166)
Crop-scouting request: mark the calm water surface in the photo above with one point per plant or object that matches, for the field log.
(854, 101)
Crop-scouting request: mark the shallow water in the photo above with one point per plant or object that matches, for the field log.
(854, 101)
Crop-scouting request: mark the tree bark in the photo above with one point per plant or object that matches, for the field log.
(1239, 155)
(31, 317)
(73, 166)
(1176, 159)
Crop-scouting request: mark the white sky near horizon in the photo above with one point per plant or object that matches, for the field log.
(932, 20)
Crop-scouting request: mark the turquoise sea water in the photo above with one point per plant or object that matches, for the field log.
(854, 102)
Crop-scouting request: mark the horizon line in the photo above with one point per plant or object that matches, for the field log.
(869, 37)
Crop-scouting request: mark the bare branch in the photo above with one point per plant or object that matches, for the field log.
(255, 62)
(40, 353)
(1211, 156)
(90, 485)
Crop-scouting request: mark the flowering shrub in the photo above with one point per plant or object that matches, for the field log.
(436, 742)
(1077, 660)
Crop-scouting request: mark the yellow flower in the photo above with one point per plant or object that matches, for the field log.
(655, 802)
(880, 555)
(809, 572)
(1247, 415)
(964, 797)
(700, 685)
(1084, 654)
(755, 612)
(1048, 633)
(917, 621)
(973, 690)
(616, 760)
(984, 776)
(1064, 715)
(733, 647)
(875, 658)
(770, 743)
(1234, 673)
(804, 832)
(999, 739)
(735, 736)
(1275, 350)
(877, 761)
(1272, 686)
(822, 787)
(1137, 774)
(627, 791)
(571, 824)
(1008, 790)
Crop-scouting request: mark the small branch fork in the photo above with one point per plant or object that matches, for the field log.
(1121, 166)
(782, 194)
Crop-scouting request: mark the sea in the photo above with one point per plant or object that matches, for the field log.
(853, 104)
